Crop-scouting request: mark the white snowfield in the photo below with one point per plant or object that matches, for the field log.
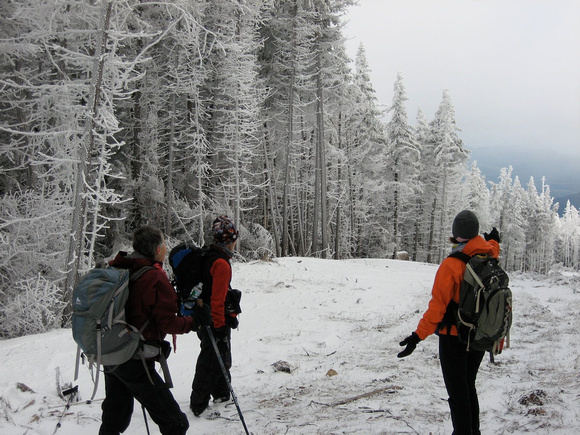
(335, 326)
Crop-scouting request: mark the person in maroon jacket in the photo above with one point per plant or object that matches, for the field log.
(209, 380)
(152, 302)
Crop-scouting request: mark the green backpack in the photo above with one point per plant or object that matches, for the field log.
(484, 314)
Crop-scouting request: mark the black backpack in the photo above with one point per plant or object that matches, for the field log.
(484, 313)
(187, 262)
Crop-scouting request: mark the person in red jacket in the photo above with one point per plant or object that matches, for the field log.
(459, 366)
(209, 380)
(152, 304)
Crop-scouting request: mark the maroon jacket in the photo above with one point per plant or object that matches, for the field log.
(151, 297)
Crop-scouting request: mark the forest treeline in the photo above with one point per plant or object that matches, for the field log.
(117, 113)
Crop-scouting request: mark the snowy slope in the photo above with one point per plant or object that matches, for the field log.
(347, 316)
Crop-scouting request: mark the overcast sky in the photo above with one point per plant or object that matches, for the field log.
(512, 67)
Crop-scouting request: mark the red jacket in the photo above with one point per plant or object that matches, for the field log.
(152, 297)
(446, 286)
(216, 283)
(221, 271)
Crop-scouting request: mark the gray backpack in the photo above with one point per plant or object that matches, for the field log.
(484, 314)
(99, 326)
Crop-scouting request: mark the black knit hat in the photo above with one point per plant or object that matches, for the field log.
(465, 225)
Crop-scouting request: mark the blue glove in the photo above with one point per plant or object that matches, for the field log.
(186, 309)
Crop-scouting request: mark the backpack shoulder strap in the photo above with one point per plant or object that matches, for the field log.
(134, 276)
(450, 316)
(461, 255)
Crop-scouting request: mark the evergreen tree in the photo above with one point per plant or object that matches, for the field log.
(366, 154)
(478, 196)
(232, 117)
(569, 238)
(403, 170)
(450, 156)
(426, 200)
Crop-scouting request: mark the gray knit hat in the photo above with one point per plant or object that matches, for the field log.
(465, 225)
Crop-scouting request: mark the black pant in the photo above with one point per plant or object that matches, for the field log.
(459, 372)
(129, 381)
(209, 379)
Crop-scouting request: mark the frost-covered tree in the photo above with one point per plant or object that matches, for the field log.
(233, 92)
(287, 69)
(568, 252)
(59, 128)
(402, 170)
(426, 200)
(477, 196)
(450, 157)
(507, 213)
(363, 136)
(514, 229)
(540, 231)
(304, 69)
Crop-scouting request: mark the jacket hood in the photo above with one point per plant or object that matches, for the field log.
(133, 261)
(478, 245)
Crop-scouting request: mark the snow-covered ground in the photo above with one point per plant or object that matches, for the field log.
(336, 325)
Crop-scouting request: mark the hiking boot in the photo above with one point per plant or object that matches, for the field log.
(197, 409)
(221, 399)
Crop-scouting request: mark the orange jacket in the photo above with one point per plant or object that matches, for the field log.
(446, 286)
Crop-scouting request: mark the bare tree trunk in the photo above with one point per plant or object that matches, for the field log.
(301, 224)
(237, 176)
(272, 196)
(337, 234)
(442, 217)
(290, 136)
(396, 211)
(317, 194)
(417, 226)
(320, 159)
(431, 232)
(170, 164)
(77, 236)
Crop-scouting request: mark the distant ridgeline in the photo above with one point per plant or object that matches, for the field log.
(559, 169)
(563, 200)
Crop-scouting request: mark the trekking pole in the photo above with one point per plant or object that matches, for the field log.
(145, 417)
(225, 372)
(71, 392)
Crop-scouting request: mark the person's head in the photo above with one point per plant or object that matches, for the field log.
(224, 231)
(465, 226)
(149, 241)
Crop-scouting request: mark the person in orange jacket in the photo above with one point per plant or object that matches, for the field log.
(459, 366)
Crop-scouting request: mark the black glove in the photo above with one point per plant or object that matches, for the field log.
(232, 321)
(493, 235)
(202, 316)
(411, 343)
(221, 333)
(165, 348)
